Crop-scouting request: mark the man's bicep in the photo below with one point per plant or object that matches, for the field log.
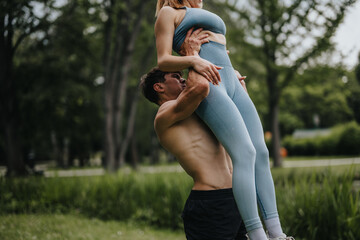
(186, 105)
(179, 109)
(196, 90)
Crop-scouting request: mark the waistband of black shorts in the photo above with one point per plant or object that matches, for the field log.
(211, 194)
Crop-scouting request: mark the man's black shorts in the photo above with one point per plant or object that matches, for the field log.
(212, 215)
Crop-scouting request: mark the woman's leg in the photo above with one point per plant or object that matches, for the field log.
(220, 113)
(263, 179)
(264, 182)
(223, 117)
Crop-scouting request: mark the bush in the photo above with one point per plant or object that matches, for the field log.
(349, 142)
(311, 206)
(156, 199)
(343, 140)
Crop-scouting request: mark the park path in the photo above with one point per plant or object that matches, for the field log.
(177, 168)
(321, 163)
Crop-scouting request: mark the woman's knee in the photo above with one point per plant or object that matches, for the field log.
(262, 154)
(243, 156)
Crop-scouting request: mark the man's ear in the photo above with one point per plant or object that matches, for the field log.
(158, 87)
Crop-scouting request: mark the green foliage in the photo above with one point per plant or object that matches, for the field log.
(343, 140)
(357, 70)
(320, 206)
(321, 91)
(311, 205)
(155, 199)
(55, 71)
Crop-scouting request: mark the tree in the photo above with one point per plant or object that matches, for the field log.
(121, 30)
(354, 96)
(318, 86)
(289, 34)
(357, 70)
(17, 21)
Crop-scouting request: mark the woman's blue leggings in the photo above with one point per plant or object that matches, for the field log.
(232, 116)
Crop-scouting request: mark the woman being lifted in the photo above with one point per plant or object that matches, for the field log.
(227, 110)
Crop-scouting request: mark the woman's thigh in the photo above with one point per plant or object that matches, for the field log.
(222, 116)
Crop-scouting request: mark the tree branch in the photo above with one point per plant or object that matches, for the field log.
(321, 45)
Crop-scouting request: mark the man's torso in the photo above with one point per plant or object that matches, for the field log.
(198, 152)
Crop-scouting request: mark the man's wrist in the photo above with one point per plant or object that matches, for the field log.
(192, 53)
(192, 61)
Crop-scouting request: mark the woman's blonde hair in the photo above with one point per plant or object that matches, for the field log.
(171, 3)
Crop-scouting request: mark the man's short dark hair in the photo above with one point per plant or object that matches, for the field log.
(147, 84)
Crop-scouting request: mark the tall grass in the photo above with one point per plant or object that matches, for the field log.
(311, 205)
(320, 206)
(153, 198)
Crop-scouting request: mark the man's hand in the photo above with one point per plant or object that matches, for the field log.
(241, 79)
(191, 47)
(193, 42)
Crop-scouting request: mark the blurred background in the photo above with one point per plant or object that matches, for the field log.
(69, 75)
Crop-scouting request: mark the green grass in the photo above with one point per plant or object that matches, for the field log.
(76, 227)
(314, 203)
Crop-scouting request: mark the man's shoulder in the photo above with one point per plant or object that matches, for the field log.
(163, 118)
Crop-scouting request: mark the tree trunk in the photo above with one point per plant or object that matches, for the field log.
(109, 128)
(121, 90)
(8, 106)
(275, 141)
(14, 160)
(118, 54)
(109, 144)
(66, 152)
(154, 149)
(56, 150)
(134, 152)
(274, 95)
(130, 129)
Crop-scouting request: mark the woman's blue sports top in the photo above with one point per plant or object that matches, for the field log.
(198, 18)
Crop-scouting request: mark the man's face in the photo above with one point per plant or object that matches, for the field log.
(174, 84)
(196, 3)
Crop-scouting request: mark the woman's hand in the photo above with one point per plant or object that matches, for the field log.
(208, 70)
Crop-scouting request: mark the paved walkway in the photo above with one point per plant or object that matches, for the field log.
(177, 168)
(320, 163)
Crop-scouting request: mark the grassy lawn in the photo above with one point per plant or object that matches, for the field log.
(75, 227)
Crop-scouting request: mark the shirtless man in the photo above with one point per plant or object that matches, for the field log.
(210, 212)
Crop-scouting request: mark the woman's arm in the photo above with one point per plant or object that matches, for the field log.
(164, 32)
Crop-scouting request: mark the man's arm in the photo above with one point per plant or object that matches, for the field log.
(197, 87)
(171, 112)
